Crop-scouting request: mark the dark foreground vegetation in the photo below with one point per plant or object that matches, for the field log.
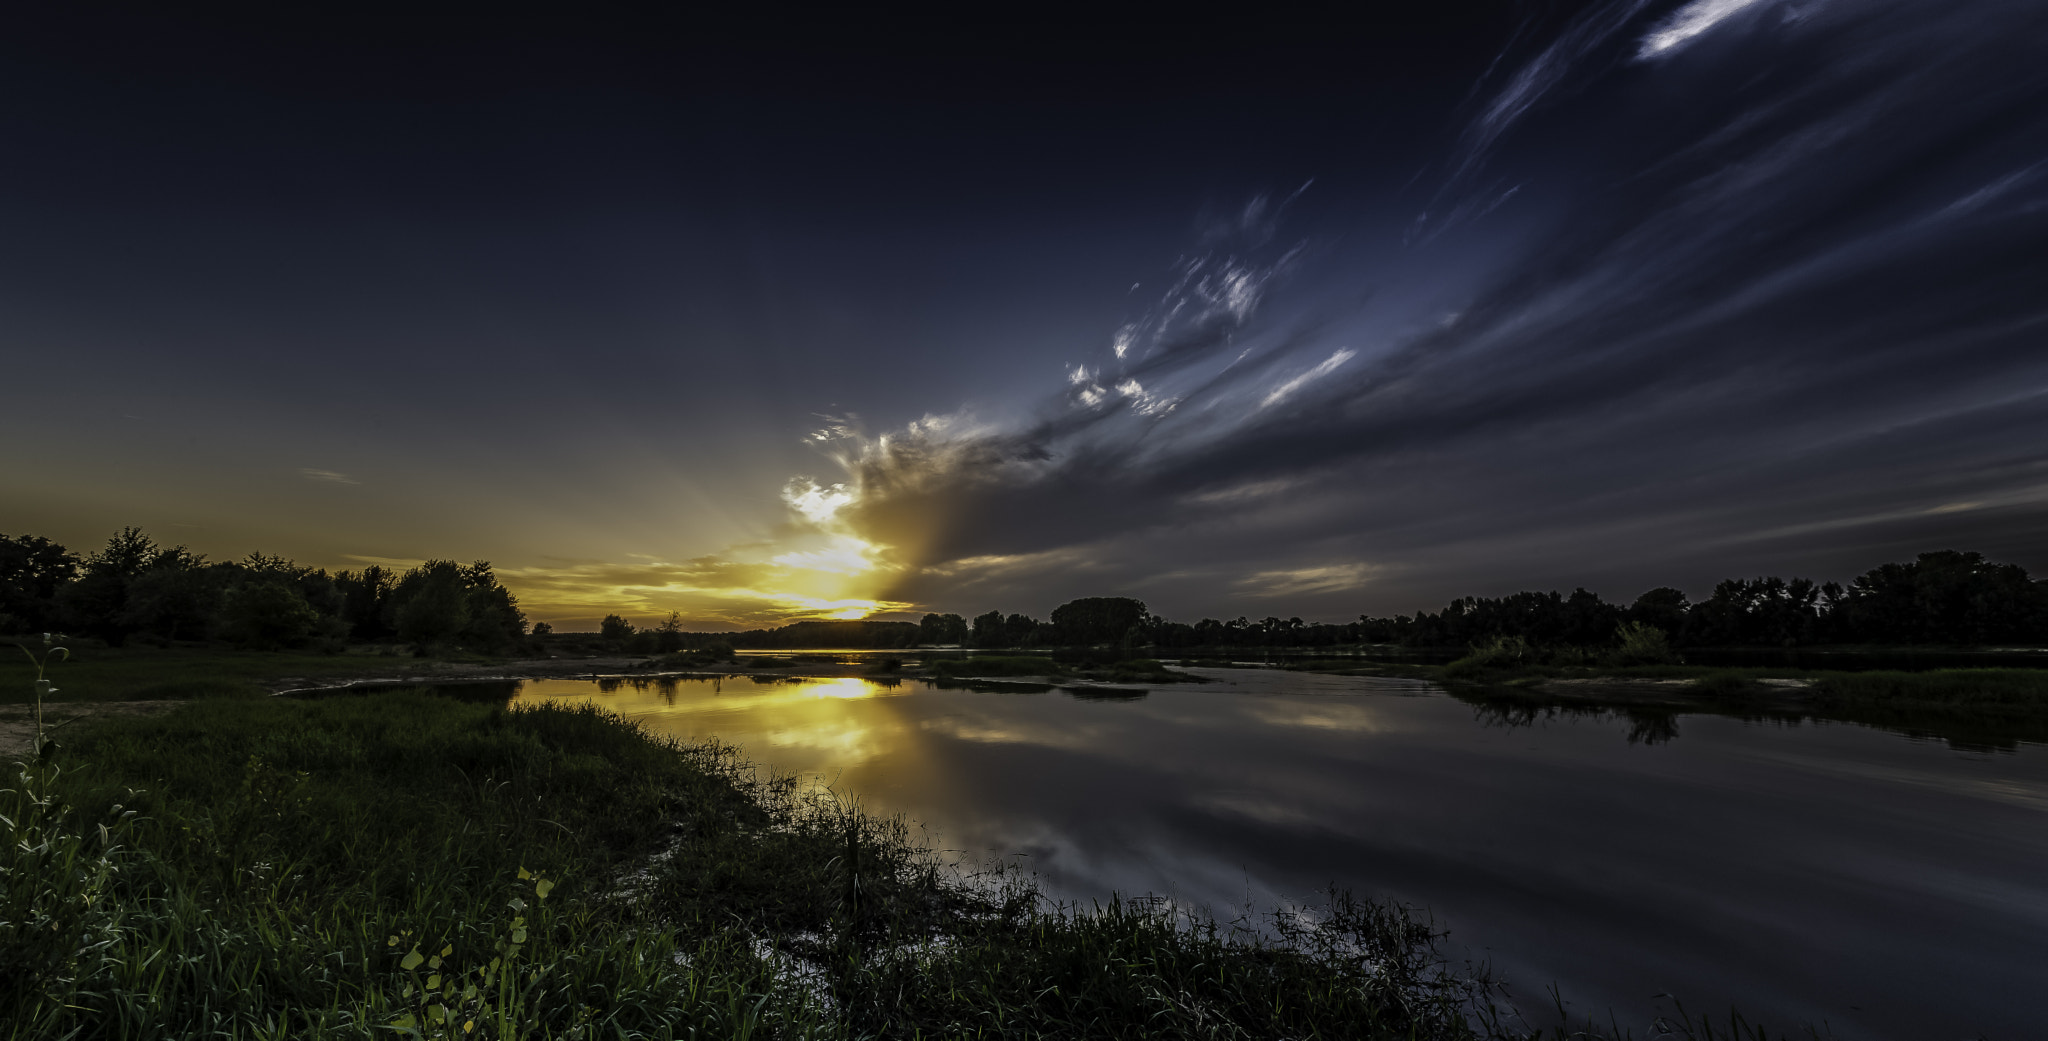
(398, 864)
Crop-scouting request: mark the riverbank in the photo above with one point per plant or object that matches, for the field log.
(400, 862)
(1972, 706)
(150, 674)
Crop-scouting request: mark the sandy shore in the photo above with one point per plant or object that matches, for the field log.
(18, 722)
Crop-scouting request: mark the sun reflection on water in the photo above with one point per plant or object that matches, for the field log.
(814, 724)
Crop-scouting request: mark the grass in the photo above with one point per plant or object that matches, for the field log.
(151, 673)
(401, 864)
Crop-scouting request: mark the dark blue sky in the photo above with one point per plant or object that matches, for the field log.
(1456, 301)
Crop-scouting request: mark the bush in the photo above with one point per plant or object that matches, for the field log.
(1501, 652)
(1642, 644)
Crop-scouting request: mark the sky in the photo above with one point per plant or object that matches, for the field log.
(786, 319)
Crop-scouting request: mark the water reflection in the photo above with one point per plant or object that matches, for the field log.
(1809, 872)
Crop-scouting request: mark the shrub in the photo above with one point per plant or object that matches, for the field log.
(1501, 652)
(1642, 644)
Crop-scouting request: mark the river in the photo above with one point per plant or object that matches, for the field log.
(1816, 872)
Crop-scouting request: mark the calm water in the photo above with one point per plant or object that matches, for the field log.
(1888, 886)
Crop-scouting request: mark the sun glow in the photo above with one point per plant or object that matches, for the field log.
(843, 555)
(818, 565)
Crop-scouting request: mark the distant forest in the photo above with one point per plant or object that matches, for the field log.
(1947, 598)
(134, 588)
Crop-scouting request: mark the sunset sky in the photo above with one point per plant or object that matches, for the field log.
(798, 319)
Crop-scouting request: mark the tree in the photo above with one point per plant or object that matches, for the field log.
(430, 605)
(32, 569)
(366, 602)
(1759, 611)
(1098, 619)
(615, 628)
(268, 613)
(442, 601)
(1662, 607)
(495, 622)
(937, 629)
(1944, 597)
(127, 554)
(98, 600)
(668, 636)
(543, 629)
(178, 597)
(988, 629)
(1020, 630)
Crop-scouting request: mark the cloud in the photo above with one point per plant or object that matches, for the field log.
(1735, 320)
(1328, 578)
(328, 476)
(1324, 368)
(1687, 23)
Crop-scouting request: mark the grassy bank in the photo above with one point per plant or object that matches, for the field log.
(398, 864)
(1974, 707)
(149, 673)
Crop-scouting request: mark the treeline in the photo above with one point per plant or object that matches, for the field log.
(1943, 598)
(617, 634)
(134, 588)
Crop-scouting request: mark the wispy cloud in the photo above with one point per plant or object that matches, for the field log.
(327, 476)
(1328, 578)
(1324, 368)
(1687, 23)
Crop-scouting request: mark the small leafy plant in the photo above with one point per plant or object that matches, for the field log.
(58, 918)
(498, 999)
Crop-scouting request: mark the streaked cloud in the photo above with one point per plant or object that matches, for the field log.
(326, 476)
(1328, 578)
(1687, 23)
(1323, 368)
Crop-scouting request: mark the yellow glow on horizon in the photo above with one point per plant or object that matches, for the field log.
(820, 566)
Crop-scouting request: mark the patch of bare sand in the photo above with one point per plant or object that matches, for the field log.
(18, 722)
